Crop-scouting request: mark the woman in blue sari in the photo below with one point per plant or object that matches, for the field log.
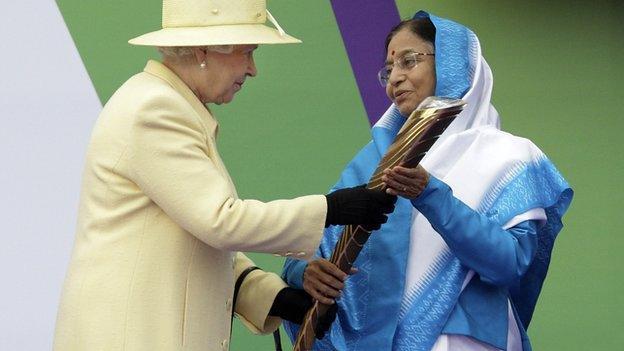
(469, 243)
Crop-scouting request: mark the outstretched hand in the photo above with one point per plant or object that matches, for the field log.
(359, 205)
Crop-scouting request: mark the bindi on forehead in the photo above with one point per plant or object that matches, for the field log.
(394, 54)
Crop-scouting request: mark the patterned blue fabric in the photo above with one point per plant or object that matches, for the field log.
(378, 286)
(453, 49)
(534, 185)
(430, 307)
(475, 237)
(370, 315)
(481, 309)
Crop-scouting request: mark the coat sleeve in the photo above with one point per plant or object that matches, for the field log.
(171, 163)
(500, 257)
(256, 296)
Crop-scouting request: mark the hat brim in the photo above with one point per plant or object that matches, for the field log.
(233, 34)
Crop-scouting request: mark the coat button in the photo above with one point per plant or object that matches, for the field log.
(225, 344)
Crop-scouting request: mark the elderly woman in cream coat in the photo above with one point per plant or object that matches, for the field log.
(160, 225)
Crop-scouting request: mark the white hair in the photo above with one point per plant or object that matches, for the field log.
(177, 53)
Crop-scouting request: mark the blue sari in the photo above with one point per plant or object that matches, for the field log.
(376, 310)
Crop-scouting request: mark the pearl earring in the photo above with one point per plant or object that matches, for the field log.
(203, 65)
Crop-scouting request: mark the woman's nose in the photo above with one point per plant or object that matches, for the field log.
(252, 71)
(395, 77)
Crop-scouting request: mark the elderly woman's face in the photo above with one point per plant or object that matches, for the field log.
(408, 87)
(225, 74)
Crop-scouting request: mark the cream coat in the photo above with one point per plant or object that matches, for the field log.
(154, 262)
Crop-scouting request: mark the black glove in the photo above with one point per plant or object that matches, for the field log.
(359, 206)
(326, 321)
(293, 304)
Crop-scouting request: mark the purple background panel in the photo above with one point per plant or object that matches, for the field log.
(364, 25)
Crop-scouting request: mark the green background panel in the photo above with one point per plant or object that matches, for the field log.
(291, 130)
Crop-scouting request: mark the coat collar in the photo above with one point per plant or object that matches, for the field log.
(163, 72)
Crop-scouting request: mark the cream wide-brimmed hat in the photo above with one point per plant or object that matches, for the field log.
(215, 22)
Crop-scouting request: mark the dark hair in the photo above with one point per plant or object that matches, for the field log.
(422, 27)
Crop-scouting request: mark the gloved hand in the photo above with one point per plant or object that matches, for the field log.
(325, 322)
(359, 205)
(293, 304)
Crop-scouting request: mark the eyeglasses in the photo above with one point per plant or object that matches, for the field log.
(404, 63)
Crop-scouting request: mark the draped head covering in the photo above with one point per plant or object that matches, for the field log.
(409, 281)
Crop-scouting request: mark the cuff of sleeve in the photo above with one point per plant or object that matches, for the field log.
(318, 225)
(293, 273)
(305, 239)
(255, 299)
(432, 187)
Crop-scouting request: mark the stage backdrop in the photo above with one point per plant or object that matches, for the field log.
(558, 77)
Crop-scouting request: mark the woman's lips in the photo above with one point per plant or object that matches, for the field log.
(401, 95)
